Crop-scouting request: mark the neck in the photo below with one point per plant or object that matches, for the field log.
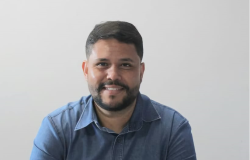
(114, 120)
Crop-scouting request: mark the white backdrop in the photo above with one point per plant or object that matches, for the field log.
(196, 56)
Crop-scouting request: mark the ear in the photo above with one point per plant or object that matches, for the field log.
(85, 69)
(142, 69)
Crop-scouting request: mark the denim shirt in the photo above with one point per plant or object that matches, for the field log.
(154, 132)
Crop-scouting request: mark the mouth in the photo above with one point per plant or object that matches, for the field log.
(112, 89)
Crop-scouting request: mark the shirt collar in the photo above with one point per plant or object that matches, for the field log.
(144, 111)
(88, 115)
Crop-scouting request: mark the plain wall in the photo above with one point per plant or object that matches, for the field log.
(196, 56)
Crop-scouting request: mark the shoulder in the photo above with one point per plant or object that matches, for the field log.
(69, 113)
(71, 107)
(178, 132)
(166, 111)
(169, 116)
(57, 129)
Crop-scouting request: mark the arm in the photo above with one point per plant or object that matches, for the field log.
(181, 143)
(47, 144)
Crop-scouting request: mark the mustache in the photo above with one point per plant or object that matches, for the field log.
(115, 82)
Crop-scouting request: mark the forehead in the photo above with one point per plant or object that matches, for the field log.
(113, 49)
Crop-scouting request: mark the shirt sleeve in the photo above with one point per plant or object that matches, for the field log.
(47, 144)
(181, 143)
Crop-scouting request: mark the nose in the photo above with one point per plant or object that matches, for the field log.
(113, 73)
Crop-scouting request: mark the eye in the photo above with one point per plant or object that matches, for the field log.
(126, 65)
(102, 64)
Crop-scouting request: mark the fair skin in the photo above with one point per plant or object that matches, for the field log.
(112, 60)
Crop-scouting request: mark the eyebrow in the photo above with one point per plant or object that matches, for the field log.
(102, 59)
(123, 59)
(126, 60)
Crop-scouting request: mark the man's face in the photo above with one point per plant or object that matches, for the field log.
(114, 73)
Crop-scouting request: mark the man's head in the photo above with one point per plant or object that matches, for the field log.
(113, 68)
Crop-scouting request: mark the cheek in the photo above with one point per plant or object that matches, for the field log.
(94, 76)
(133, 79)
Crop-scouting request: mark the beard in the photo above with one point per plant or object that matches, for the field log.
(127, 100)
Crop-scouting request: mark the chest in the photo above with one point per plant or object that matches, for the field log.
(93, 144)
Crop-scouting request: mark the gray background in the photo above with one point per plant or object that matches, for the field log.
(196, 56)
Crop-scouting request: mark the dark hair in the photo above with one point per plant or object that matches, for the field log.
(122, 31)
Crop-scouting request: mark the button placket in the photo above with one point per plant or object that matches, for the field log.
(118, 148)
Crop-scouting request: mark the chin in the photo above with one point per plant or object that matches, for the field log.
(112, 98)
(112, 105)
(112, 102)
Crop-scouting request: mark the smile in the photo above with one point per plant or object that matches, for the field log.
(113, 89)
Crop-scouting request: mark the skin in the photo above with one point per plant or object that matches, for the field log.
(112, 60)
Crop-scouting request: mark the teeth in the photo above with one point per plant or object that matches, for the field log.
(113, 89)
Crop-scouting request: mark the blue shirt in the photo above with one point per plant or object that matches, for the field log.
(154, 132)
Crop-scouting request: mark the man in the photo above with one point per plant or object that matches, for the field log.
(115, 122)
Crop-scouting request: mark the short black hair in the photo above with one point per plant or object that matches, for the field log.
(122, 31)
